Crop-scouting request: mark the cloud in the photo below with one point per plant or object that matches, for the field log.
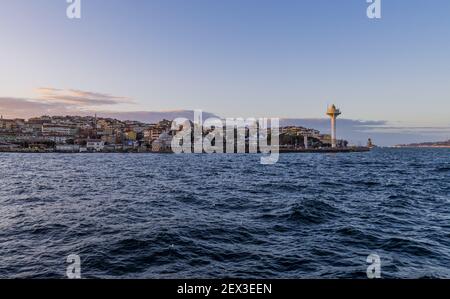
(53, 101)
(79, 98)
(47, 90)
(409, 129)
(25, 108)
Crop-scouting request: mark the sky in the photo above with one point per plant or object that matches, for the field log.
(233, 58)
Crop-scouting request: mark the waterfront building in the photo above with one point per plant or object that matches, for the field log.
(109, 139)
(325, 139)
(163, 143)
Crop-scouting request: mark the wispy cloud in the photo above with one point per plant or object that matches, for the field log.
(53, 101)
(80, 98)
(409, 129)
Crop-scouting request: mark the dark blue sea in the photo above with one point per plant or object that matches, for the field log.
(226, 216)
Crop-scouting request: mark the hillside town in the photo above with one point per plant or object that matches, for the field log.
(79, 134)
(438, 144)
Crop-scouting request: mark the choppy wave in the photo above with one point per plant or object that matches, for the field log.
(207, 216)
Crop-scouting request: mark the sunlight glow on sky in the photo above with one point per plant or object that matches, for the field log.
(236, 57)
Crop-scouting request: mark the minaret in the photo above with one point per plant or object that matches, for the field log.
(333, 112)
(95, 126)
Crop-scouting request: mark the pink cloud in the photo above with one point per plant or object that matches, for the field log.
(79, 98)
(53, 101)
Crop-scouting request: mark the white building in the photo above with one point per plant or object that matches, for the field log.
(163, 143)
(58, 129)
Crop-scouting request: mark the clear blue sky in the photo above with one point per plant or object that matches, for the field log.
(237, 57)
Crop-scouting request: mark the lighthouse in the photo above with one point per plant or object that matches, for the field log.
(333, 113)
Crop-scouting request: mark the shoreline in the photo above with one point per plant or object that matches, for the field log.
(431, 146)
(281, 151)
(361, 149)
